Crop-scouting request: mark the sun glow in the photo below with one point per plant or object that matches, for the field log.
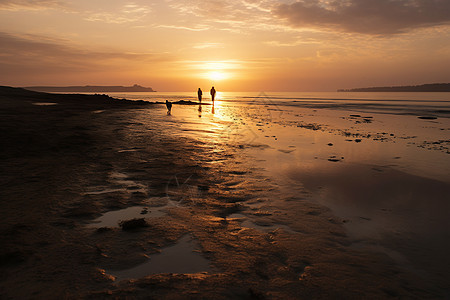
(216, 75)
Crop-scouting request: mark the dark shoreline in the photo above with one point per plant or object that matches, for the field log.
(91, 89)
(21, 94)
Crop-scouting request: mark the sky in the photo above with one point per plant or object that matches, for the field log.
(236, 45)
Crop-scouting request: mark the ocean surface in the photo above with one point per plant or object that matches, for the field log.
(397, 103)
(405, 123)
(416, 126)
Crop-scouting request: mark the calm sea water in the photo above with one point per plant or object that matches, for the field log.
(397, 103)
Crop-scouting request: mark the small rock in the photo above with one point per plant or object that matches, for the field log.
(133, 224)
(330, 144)
(427, 117)
(334, 159)
(358, 140)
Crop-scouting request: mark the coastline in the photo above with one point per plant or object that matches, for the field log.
(66, 164)
(423, 88)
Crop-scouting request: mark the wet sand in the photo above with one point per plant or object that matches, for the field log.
(269, 226)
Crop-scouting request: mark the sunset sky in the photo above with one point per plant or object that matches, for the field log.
(241, 45)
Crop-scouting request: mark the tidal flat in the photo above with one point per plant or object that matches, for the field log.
(237, 201)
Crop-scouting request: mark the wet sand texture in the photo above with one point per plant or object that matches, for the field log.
(59, 166)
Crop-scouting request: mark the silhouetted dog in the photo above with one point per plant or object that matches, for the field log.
(169, 107)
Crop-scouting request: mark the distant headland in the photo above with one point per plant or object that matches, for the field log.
(91, 89)
(431, 87)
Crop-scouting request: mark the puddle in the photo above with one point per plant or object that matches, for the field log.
(44, 103)
(249, 224)
(113, 218)
(181, 258)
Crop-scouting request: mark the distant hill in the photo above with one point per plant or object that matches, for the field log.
(10, 96)
(432, 87)
(91, 89)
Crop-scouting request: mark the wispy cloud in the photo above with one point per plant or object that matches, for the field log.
(127, 13)
(16, 5)
(230, 65)
(208, 45)
(238, 12)
(21, 53)
(210, 65)
(198, 28)
(366, 16)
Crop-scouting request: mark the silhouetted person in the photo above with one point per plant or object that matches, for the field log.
(199, 94)
(213, 93)
(169, 107)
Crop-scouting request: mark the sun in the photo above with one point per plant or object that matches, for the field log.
(216, 75)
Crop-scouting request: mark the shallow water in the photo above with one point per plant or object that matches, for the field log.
(386, 175)
(113, 218)
(379, 168)
(179, 258)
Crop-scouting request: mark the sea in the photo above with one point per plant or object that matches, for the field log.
(394, 103)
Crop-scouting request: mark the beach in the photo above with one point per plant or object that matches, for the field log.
(258, 197)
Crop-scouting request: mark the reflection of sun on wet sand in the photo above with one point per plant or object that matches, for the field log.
(248, 203)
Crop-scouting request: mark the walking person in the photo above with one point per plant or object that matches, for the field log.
(213, 93)
(199, 94)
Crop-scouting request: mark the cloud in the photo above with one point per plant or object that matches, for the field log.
(237, 16)
(200, 28)
(366, 16)
(211, 65)
(127, 13)
(16, 5)
(208, 45)
(30, 55)
(242, 11)
(293, 42)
